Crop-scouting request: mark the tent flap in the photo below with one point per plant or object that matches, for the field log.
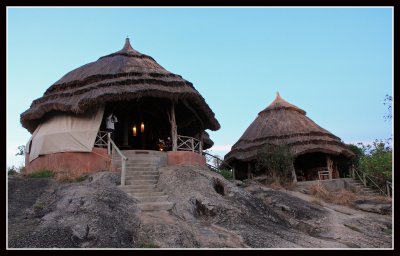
(64, 132)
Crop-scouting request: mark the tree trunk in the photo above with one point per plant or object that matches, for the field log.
(174, 132)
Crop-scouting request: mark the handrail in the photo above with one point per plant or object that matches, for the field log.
(219, 161)
(123, 157)
(383, 192)
(101, 138)
(389, 185)
(364, 181)
(187, 143)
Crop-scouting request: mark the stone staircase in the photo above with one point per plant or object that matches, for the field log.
(142, 176)
(358, 187)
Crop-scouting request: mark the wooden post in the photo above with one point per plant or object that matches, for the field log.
(352, 172)
(364, 178)
(248, 171)
(233, 174)
(123, 171)
(294, 174)
(387, 189)
(174, 132)
(201, 142)
(108, 143)
(329, 164)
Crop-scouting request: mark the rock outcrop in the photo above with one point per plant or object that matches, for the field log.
(92, 213)
(209, 212)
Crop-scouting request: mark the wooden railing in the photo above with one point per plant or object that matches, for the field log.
(365, 179)
(110, 146)
(389, 188)
(186, 143)
(217, 163)
(101, 139)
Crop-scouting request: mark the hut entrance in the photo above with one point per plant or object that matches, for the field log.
(140, 123)
(144, 122)
(308, 165)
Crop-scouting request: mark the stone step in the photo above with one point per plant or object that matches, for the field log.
(145, 194)
(142, 190)
(130, 172)
(139, 190)
(152, 198)
(142, 165)
(140, 186)
(141, 158)
(141, 177)
(140, 182)
(155, 206)
(146, 168)
(151, 187)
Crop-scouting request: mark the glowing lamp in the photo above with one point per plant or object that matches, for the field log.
(134, 130)
(142, 127)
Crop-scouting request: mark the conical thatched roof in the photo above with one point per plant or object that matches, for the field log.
(285, 124)
(124, 75)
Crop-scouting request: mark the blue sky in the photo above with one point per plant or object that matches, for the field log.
(335, 63)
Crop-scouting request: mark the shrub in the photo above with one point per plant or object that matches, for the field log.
(375, 160)
(227, 174)
(41, 174)
(275, 161)
(12, 170)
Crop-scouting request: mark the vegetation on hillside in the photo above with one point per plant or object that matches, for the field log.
(275, 161)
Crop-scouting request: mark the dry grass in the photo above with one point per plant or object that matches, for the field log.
(64, 176)
(380, 198)
(342, 197)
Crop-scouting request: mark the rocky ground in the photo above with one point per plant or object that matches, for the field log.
(209, 212)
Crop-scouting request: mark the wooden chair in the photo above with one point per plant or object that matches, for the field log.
(323, 175)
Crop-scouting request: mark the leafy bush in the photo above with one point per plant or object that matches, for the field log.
(41, 174)
(227, 174)
(11, 171)
(377, 160)
(275, 161)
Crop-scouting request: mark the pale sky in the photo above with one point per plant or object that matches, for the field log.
(335, 63)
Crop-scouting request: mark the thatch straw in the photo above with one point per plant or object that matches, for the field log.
(282, 123)
(123, 75)
(207, 142)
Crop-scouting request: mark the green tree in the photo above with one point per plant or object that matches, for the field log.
(377, 160)
(388, 102)
(21, 150)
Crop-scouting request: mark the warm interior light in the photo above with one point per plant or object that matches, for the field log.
(142, 127)
(134, 130)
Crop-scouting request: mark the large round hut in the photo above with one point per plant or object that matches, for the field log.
(155, 110)
(316, 151)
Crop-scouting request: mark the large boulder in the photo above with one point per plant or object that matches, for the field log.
(210, 211)
(92, 213)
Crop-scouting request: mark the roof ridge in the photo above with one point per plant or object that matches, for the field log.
(279, 103)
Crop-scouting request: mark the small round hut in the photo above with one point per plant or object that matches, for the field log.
(155, 110)
(315, 149)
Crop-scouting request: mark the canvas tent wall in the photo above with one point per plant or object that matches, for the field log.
(65, 132)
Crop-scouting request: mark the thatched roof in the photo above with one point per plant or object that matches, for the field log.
(124, 75)
(282, 123)
(207, 142)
